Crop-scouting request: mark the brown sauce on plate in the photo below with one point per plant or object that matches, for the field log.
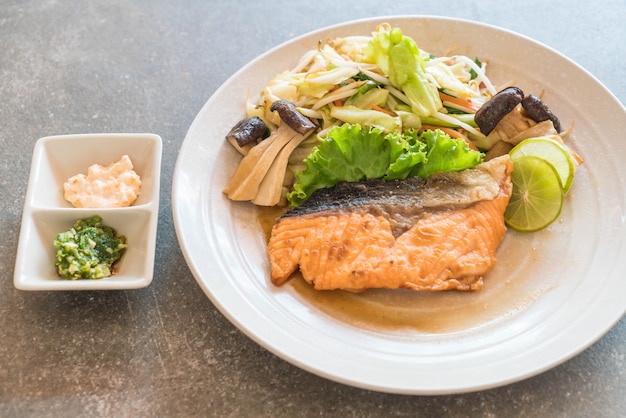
(405, 310)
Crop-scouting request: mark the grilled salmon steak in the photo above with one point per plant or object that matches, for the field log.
(436, 234)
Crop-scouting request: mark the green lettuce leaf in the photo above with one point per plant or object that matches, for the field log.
(348, 153)
(407, 152)
(445, 154)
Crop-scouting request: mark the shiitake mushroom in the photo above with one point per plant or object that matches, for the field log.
(538, 111)
(292, 117)
(248, 131)
(503, 102)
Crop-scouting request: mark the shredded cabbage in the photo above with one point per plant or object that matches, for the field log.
(399, 58)
(405, 78)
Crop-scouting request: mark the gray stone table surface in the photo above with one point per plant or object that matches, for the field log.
(165, 350)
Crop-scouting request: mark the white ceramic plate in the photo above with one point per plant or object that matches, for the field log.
(46, 212)
(552, 294)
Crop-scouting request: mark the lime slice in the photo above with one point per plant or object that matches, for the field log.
(550, 150)
(537, 195)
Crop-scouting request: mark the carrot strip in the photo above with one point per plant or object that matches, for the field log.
(380, 109)
(459, 101)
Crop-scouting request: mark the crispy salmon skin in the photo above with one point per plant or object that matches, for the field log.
(436, 234)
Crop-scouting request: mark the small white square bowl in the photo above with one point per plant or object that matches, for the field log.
(47, 213)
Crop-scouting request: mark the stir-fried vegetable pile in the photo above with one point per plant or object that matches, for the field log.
(381, 107)
(384, 80)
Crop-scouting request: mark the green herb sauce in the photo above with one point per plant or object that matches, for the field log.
(88, 250)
